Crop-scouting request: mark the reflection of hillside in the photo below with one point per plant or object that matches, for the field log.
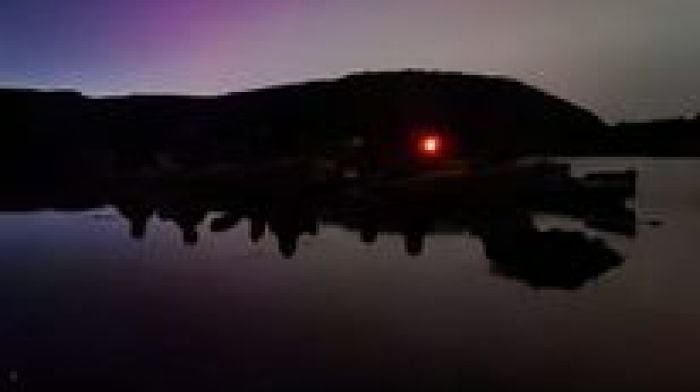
(543, 259)
(498, 209)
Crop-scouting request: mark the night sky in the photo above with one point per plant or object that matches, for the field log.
(624, 59)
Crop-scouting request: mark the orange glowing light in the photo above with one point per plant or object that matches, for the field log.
(430, 145)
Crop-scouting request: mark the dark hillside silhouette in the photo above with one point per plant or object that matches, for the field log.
(670, 137)
(488, 118)
(366, 121)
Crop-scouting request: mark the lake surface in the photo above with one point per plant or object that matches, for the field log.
(85, 305)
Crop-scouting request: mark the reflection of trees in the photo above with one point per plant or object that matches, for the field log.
(138, 215)
(369, 235)
(497, 209)
(543, 259)
(502, 217)
(257, 228)
(187, 219)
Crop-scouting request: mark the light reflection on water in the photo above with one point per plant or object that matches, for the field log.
(84, 304)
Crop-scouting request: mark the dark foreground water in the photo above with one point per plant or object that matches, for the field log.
(85, 306)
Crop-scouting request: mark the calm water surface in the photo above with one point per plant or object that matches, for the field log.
(86, 306)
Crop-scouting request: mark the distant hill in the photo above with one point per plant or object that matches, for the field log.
(659, 138)
(484, 118)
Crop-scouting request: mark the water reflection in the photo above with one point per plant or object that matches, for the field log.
(499, 209)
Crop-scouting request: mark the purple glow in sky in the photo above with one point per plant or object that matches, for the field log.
(624, 59)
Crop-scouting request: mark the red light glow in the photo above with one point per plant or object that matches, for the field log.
(430, 145)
